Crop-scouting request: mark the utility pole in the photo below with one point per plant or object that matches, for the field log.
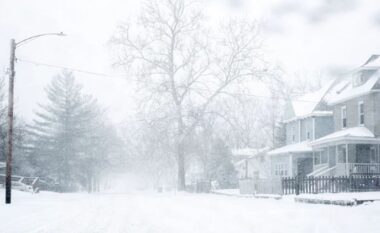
(8, 177)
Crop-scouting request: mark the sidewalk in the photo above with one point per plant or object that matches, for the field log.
(345, 199)
(236, 193)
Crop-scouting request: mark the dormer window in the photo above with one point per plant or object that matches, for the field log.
(361, 112)
(358, 79)
(344, 117)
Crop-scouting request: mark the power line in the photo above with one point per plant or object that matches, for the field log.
(71, 69)
(124, 75)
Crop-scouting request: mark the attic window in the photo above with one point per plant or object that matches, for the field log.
(358, 79)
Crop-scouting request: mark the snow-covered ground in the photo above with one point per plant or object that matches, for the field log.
(343, 196)
(178, 213)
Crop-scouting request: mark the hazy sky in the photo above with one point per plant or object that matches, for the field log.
(301, 36)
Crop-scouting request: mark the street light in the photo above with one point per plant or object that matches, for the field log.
(14, 45)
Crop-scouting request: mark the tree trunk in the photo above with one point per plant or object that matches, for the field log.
(181, 157)
(181, 168)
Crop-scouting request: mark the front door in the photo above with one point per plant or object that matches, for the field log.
(304, 166)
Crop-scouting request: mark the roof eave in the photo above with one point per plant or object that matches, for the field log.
(344, 140)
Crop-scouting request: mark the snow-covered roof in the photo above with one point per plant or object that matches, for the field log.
(313, 114)
(355, 133)
(306, 105)
(2, 164)
(348, 91)
(249, 152)
(372, 63)
(293, 148)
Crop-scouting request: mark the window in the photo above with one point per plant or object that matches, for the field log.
(280, 170)
(293, 134)
(361, 112)
(344, 117)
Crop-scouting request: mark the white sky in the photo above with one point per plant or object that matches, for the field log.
(301, 36)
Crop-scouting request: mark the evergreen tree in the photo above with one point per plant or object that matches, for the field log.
(220, 165)
(65, 134)
(3, 122)
(18, 135)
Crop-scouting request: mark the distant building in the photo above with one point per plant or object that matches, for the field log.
(251, 162)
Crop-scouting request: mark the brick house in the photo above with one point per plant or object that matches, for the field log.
(353, 147)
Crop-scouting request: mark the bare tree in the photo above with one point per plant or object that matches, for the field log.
(182, 65)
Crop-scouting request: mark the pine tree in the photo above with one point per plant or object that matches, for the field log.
(63, 133)
(3, 122)
(220, 165)
(18, 135)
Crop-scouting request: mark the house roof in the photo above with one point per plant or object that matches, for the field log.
(2, 164)
(345, 90)
(348, 91)
(249, 152)
(292, 148)
(372, 62)
(355, 133)
(307, 105)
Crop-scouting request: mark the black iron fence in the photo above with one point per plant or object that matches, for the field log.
(359, 182)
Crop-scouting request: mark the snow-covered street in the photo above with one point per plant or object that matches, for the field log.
(178, 212)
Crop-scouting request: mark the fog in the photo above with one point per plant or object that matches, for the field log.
(167, 99)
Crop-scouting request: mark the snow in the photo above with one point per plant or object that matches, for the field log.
(178, 212)
(292, 148)
(2, 164)
(373, 62)
(354, 133)
(249, 152)
(306, 104)
(349, 91)
(344, 196)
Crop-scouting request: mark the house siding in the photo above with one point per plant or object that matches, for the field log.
(284, 161)
(289, 132)
(376, 114)
(371, 113)
(307, 127)
(323, 126)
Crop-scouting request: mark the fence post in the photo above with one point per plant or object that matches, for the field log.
(297, 185)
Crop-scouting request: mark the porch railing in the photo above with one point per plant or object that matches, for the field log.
(364, 167)
(345, 169)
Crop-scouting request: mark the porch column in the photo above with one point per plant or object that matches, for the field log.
(291, 164)
(346, 164)
(328, 156)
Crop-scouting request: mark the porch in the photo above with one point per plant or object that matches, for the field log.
(346, 159)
